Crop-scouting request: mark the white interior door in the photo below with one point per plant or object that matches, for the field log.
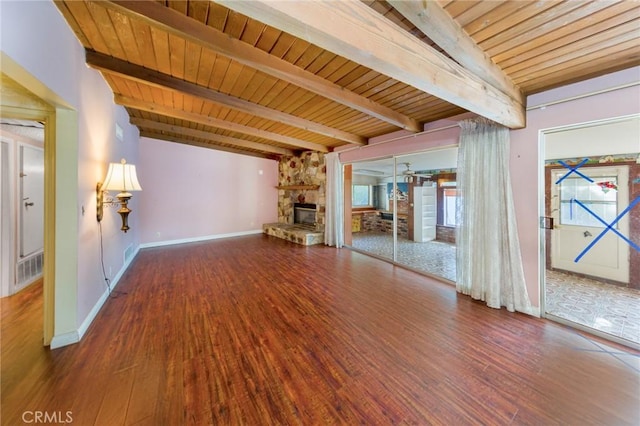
(31, 238)
(6, 256)
(582, 210)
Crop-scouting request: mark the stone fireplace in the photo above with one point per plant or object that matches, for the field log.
(301, 184)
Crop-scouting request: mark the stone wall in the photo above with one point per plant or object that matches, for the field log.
(307, 169)
(373, 222)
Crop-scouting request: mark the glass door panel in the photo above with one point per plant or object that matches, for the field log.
(411, 217)
(372, 207)
(591, 278)
(420, 215)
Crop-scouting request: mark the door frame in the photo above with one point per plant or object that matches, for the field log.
(542, 262)
(28, 98)
(48, 270)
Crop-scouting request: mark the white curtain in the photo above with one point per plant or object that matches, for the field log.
(334, 229)
(489, 264)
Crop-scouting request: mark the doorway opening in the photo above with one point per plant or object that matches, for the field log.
(22, 186)
(403, 211)
(591, 253)
(19, 103)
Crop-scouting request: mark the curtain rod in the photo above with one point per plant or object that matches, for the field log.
(584, 95)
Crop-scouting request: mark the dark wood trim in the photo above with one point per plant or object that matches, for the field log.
(297, 187)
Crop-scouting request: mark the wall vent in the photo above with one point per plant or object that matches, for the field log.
(29, 269)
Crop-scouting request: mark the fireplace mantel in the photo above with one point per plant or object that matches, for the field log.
(296, 187)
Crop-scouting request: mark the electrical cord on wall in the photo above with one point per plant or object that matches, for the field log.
(112, 294)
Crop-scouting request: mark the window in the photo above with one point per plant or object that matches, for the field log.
(600, 196)
(361, 196)
(450, 199)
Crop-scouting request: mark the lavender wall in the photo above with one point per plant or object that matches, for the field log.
(526, 164)
(194, 193)
(35, 36)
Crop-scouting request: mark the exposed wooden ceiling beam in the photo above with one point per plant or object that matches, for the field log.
(430, 18)
(173, 22)
(150, 125)
(127, 70)
(215, 122)
(354, 30)
(163, 137)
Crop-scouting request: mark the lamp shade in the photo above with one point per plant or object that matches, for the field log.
(121, 177)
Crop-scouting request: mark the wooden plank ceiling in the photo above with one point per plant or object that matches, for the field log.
(268, 78)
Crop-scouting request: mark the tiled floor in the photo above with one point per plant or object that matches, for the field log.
(607, 308)
(433, 257)
(604, 307)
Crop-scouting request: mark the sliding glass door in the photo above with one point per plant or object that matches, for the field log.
(372, 208)
(401, 210)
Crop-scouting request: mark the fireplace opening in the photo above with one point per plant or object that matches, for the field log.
(304, 213)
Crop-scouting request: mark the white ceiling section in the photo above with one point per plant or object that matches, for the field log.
(594, 139)
(29, 129)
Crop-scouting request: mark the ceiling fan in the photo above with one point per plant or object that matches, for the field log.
(409, 174)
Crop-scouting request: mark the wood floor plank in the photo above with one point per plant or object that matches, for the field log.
(116, 400)
(146, 386)
(256, 330)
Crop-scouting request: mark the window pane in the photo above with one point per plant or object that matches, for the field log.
(600, 197)
(450, 199)
(450, 211)
(568, 189)
(361, 195)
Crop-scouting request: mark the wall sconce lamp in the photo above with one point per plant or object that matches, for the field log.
(120, 177)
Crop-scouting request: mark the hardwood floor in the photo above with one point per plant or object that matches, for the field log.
(256, 330)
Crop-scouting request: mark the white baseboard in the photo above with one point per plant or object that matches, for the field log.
(198, 239)
(72, 337)
(65, 339)
(75, 336)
